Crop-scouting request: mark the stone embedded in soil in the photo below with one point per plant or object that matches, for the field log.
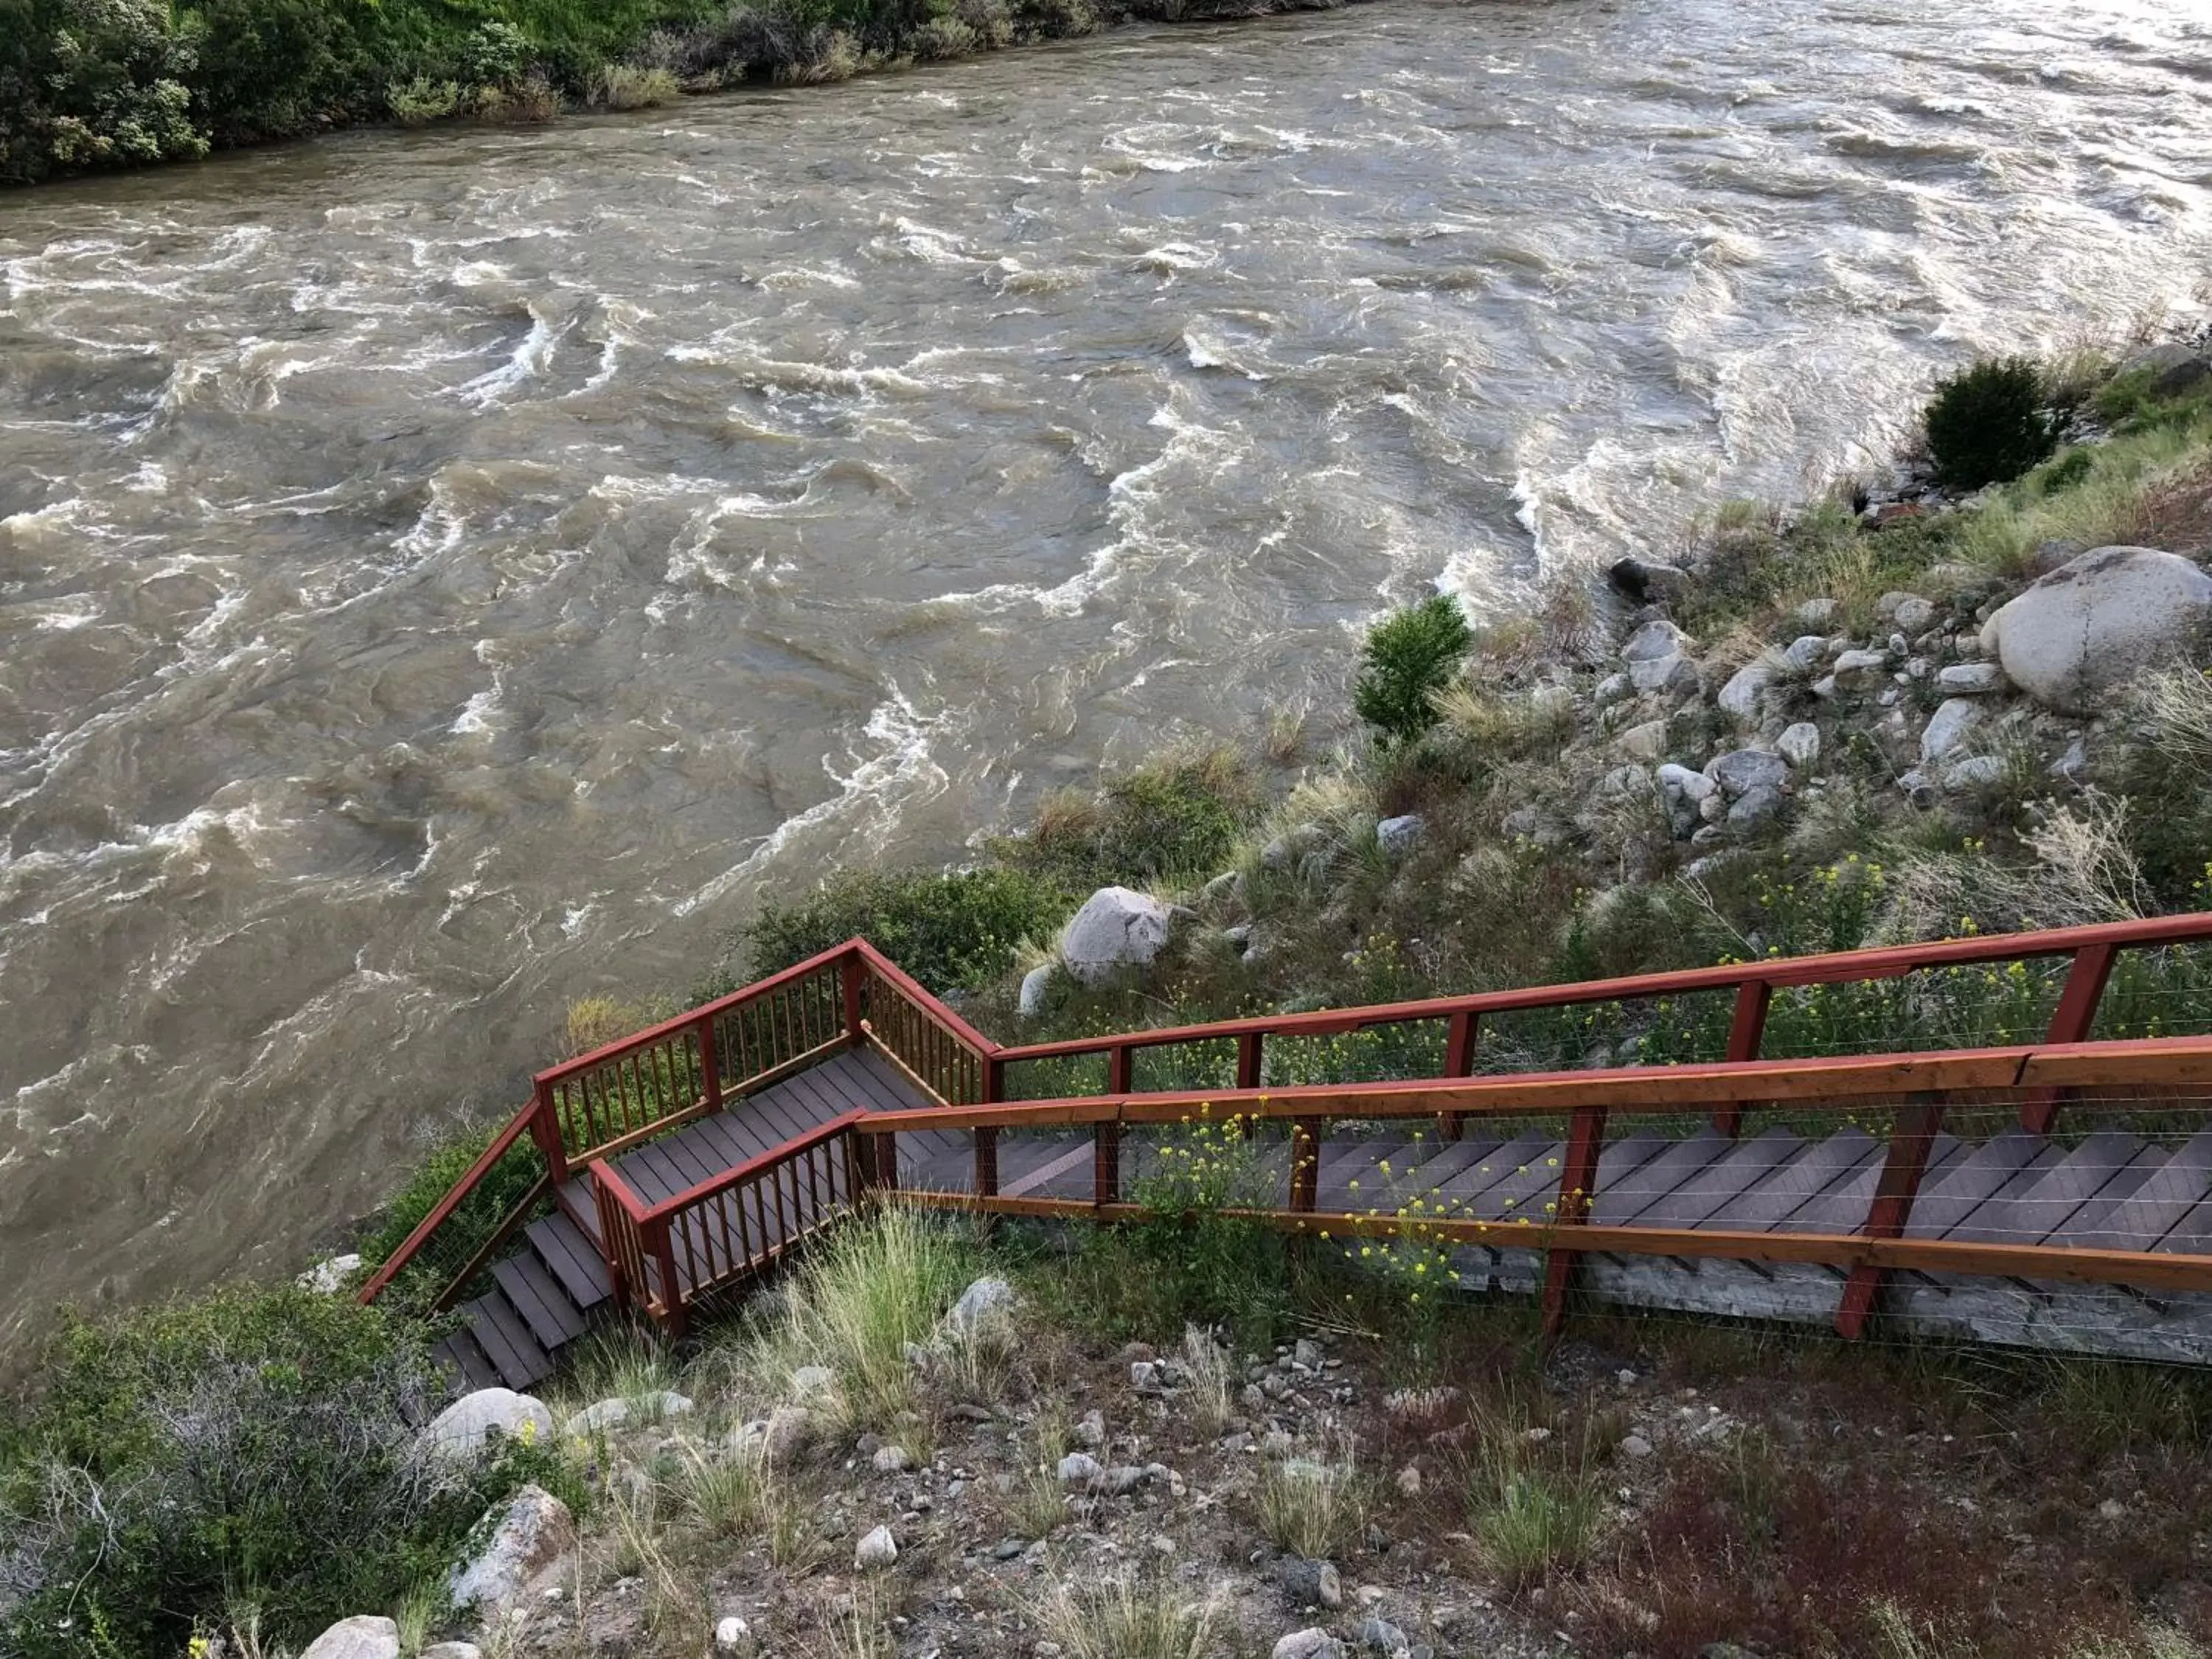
(892, 1460)
(733, 1636)
(1312, 1643)
(877, 1548)
(1636, 1445)
(362, 1636)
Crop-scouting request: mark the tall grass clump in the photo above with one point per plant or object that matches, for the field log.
(1179, 815)
(860, 1296)
(1406, 659)
(1126, 1615)
(1310, 1509)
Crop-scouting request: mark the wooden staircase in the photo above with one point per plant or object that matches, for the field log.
(685, 1161)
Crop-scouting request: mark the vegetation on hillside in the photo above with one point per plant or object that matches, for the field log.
(101, 84)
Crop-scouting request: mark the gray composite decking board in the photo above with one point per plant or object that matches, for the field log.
(1990, 1222)
(1361, 1161)
(1676, 1165)
(1957, 1192)
(1709, 1193)
(521, 1359)
(1471, 1186)
(1621, 1163)
(1793, 1185)
(465, 1355)
(2075, 1180)
(1532, 1182)
(530, 1289)
(573, 1260)
(1842, 1206)
(2125, 1182)
(1452, 1158)
(2143, 1219)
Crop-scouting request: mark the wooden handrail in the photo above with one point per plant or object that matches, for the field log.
(1886, 962)
(500, 1145)
(737, 1175)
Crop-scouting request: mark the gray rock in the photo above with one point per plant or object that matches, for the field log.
(1675, 673)
(1909, 611)
(1756, 807)
(1646, 742)
(1918, 788)
(733, 1637)
(1310, 1583)
(1090, 1430)
(2182, 377)
(531, 1540)
(328, 1276)
(1611, 689)
(783, 1437)
(1116, 929)
(986, 1301)
(1313, 1643)
(1036, 984)
(1624, 781)
(1824, 688)
(619, 1414)
(1974, 772)
(1681, 780)
(1860, 670)
(477, 1421)
(1647, 581)
(1817, 613)
(1532, 824)
(1655, 641)
(1947, 727)
(2095, 622)
(2155, 359)
(1806, 652)
(1636, 1446)
(1742, 770)
(1399, 836)
(1080, 1470)
(876, 1549)
(1746, 689)
(810, 1382)
(451, 1650)
(364, 1635)
(1800, 745)
(892, 1460)
(1970, 680)
(1382, 1636)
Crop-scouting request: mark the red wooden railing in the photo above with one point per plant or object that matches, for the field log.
(1918, 1089)
(588, 1109)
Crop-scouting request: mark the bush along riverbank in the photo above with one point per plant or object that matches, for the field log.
(88, 84)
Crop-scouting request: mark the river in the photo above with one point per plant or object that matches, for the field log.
(443, 575)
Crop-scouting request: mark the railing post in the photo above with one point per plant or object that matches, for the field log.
(1305, 1165)
(545, 1130)
(1248, 1072)
(995, 1080)
(1464, 1031)
(883, 1159)
(987, 1162)
(1910, 1143)
(1119, 1068)
(610, 1219)
(1745, 1031)
(1578, 1190)
(853, 973)
(675, 1314)
(2071, 1022)
(710, 1065)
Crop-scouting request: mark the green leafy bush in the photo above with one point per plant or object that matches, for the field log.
(1179, 816)
(1407, 659)
(94, 82)
(948, 931)
(250, 1446)
(1987, 424)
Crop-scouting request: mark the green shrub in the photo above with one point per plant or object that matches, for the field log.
(948, 931)
(1179, 816)
(250, 1446)
(94, 82)
(451, 1247)
(267, 68)
(1409, 659)
(2070, 470)
(1987, 424)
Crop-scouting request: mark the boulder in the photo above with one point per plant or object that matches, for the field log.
(1800, 745)
(1080, 1470)
(1313, 1643)
(733, 1637)
(1974, 772)
(1806, 652)
(1909, 611)
(987, 1301)
(451, 1650)
(2090, 626)
(1947, 727)
(1036, 984)
(1817, 613)
(1116, 930)
(2155, 359)
(1658, 657)
(1860, 670)
(810, 1382)
(1647, 742)
(1742, 770)
(1646, 581)
(475, 1421)
(1611, 689)
(1970, 680)
(2181, 378)
(364, 1635)
(1755, 807)
(1399, 836)
(876, 1549)
(531, 1541)
(1745, 689)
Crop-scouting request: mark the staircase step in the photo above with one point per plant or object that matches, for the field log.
(465, 1358)
(518, 1356)
(573, 1259)
(532, 1291)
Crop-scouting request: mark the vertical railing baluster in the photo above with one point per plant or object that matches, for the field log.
(1746, 1030)
(1577, 1193)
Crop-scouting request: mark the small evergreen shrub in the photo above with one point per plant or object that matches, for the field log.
(250, 1446)
(1179, 816)
(1987, 424)
(1409, 659)
(2068, 470)
(949, 932)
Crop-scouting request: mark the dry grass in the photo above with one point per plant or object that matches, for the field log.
(1126, 1615)
(1310, 1509)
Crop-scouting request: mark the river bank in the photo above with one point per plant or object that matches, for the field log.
(85, 87)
